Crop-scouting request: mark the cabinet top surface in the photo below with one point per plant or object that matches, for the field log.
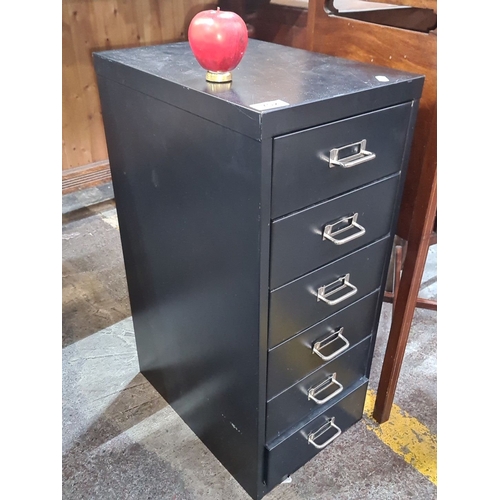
(268, 72)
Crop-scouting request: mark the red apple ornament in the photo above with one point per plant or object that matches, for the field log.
(218, 40)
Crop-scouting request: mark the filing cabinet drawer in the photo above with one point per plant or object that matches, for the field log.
(290, 452)
(309, 239)
(319, 294)
(318, 390)
(303, 173)
(294, 359)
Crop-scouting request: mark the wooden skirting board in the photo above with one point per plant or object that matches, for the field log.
(85, 176)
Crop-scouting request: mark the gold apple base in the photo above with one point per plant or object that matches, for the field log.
(219, 87)
(219, 76)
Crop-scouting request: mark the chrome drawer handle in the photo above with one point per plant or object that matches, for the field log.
(344, 280)
(337, 334)
(329, 232)
(331, 380)
(313, 435)
(359, 155)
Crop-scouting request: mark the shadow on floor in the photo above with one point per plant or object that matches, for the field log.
(94, 288)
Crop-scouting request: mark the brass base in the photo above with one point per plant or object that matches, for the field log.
(219, 87)
(219, 76)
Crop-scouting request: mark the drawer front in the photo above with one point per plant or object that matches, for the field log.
(285, 456)
(317, 391)
(294, 359)
(302, 174)
(298, 305)
(313, 237)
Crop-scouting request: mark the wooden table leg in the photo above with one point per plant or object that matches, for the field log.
(403, 314)
(417, 248)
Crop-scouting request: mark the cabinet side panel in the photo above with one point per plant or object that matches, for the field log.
(188, 202)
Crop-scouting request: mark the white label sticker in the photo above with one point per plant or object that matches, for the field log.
(262, 106)
(382, 78)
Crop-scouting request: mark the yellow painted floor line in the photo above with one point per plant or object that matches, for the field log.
(406, 436)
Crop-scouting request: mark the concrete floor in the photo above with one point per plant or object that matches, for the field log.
(122, 440)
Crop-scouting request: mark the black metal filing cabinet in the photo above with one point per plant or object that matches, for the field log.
(256, 222)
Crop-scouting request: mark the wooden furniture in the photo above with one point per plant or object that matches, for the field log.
(397, 14)
(284, 21)
(256, 220)
(399, 254)
(410, 51)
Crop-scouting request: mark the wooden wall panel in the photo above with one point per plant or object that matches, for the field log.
(92, 25)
